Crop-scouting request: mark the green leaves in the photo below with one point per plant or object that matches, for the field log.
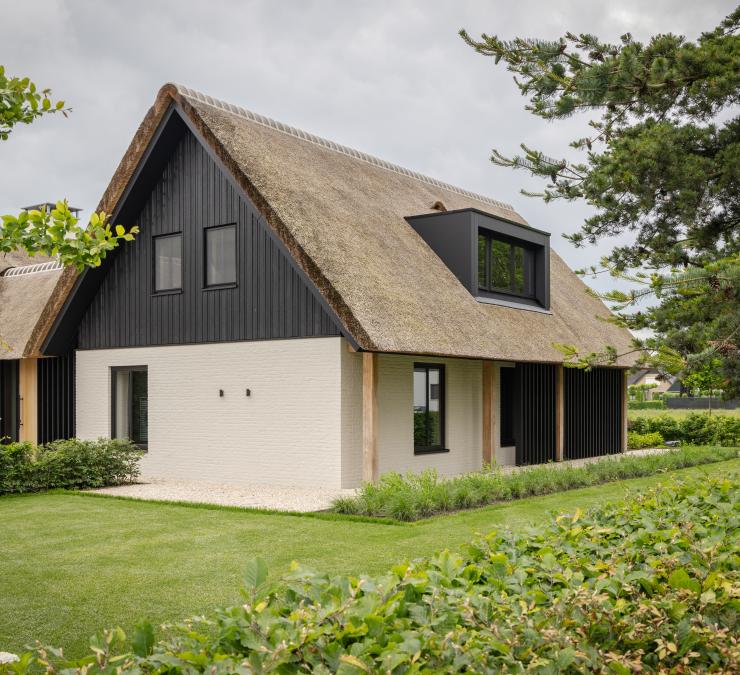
(680, 578)
(57, 233)
(142, 641)
(22, 103)
(255, 574)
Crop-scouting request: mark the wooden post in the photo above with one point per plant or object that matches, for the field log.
(625, 377)
(559, 413)
(489, 381)
(28, 393)
(369, 417)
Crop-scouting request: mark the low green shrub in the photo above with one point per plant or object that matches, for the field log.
(652, 439)
(70, 464)
(695, 429)
(647, 584)
(645, 405)
(415, 496)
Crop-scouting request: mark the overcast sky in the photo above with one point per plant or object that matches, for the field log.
(391, 78)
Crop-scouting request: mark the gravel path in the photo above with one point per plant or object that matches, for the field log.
(271, 496)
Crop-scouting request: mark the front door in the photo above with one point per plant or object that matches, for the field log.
(9, 401)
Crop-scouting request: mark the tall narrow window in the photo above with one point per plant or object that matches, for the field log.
(508, 406)
(220, 255)
(429, 408)
(168, 262)
(504, 266)
(130, 403)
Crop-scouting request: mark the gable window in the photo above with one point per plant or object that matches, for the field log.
(130, 404)
(429, 408)
(504, 266)
(168, 262)
(220, 255)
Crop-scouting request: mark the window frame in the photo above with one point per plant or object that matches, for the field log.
(442, 447)
(114, 400)
(228, 284)
(174, 290)
(529, 266)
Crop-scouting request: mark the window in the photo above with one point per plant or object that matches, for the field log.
(220, 255)
(130, 404)
(429, 408)
(504, 266)
(168, 263)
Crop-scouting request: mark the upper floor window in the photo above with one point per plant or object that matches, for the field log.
(168, 262)
(504, 266)
(220, 255)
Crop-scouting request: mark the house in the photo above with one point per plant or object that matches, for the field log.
(650, 377)
(295, 311)
(36, 394)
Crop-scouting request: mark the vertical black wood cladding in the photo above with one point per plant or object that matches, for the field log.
(270, 300)
(535, 413)
(9, 401)
(593, 412)
(56, 398)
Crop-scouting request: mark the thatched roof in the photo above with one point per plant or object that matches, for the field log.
(341, 214)
(23, 299)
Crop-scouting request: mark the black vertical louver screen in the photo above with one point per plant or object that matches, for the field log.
(56, 398)
(535, 413)
(593, 412)
(9, 402)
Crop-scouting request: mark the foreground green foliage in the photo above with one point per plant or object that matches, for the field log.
(646, 584)
(67, 464)
(416, 496)
(695, 428)
(21, 102)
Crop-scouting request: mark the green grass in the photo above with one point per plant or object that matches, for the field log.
(72, 564)
(679, 414)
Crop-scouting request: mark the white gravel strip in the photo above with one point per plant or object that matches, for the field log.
(258, 496)
(273, 497)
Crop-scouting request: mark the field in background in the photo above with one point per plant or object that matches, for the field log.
(679, 414)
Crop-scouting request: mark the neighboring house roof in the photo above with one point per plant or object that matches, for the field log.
(24, 294)
(639, 375)
(341, 214)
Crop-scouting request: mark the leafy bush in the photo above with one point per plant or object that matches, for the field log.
(643, 585)
(67, 464)
(649, 440)
(645, 405)
(694, 429)
(415, 496)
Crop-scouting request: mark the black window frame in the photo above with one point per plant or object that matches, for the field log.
(442, 447)
(113, 401)
(177, 289)
(227, 284)
(508, 388)
(529, 266)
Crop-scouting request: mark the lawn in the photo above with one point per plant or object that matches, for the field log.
(679, 414)
(73, 564)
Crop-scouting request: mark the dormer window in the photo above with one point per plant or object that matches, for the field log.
(499, 261)
(504, 266)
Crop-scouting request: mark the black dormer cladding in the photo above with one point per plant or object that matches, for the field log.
(453, 236)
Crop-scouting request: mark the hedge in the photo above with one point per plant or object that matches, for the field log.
(650, 440)
(647, 584)
(645, 405)
(70, 464)
(694, 429)
(414, 496)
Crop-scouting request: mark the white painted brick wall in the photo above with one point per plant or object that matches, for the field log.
(289, 431)
(464, 425)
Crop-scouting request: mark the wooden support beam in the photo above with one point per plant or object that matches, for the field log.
(489, 417)
(559, 413)
(28, 394)
(369, 417)
(625, 377)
